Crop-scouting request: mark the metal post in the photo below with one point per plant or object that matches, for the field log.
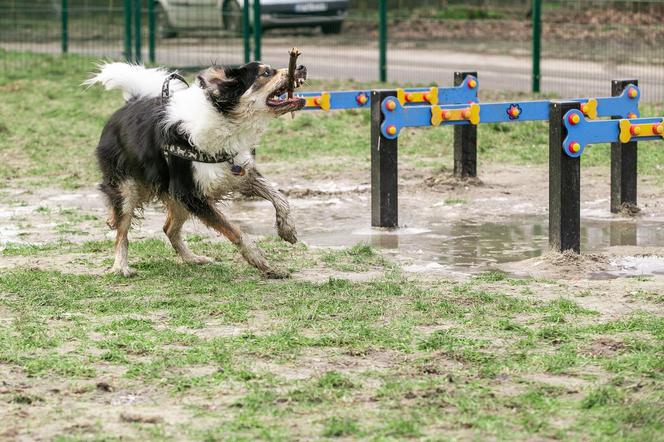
(382, 27)
(384, 171)
(246, 29)
(137, 31)
(257, 30)
(152, 30)
(537, 43)
(623, 162)
(64, 19)
(564, 184)
(128, 12)
(465, 141)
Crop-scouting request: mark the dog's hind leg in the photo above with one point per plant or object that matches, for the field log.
(176, 215)
(121, 265)
(257, 184)
(124, 198)
(213, 218)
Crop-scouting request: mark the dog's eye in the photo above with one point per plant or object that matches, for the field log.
(266, 74)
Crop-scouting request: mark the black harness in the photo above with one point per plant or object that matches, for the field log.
(188, 151)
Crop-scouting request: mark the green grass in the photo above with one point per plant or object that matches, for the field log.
(377, 359)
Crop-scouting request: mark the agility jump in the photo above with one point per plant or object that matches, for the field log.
(569, 134)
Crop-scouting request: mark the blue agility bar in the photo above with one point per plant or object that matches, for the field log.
(581, 131)
(398, 116)
(360, 99)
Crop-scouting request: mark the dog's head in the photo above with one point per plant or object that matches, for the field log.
(255, 86)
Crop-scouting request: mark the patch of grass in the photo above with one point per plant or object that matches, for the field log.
(266, 355)
(361, 257)
(340, 427)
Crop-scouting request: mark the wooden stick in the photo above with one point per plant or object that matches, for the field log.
(292, 64)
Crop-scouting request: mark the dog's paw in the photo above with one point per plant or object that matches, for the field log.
(276, 274)
(123, 271)
(287, 231)
(198, 260)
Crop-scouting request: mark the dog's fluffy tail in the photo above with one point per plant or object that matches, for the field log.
(133, 80)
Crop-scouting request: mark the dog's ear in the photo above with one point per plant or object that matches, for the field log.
(225, 86)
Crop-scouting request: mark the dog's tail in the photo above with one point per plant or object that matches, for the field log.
(133, 80)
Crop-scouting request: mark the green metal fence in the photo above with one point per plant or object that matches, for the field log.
(560, 46)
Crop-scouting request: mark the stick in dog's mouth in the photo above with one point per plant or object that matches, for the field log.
(295, 78)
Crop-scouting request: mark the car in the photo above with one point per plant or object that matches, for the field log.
(175, 16)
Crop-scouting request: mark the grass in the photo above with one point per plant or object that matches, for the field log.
(355, 350)
(378, 359)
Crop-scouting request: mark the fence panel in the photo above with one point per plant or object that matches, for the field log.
(587, 43)
(36, 27)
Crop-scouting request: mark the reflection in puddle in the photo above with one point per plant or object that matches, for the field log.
(462, 244)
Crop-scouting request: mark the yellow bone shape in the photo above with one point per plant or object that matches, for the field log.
(589, 108)
(470, 114)
(644, 130)
(323, 101)
(418, 97)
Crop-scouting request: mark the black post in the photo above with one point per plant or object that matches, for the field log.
(564, 184)
(384, 171)
(623, 162)
(465, 141)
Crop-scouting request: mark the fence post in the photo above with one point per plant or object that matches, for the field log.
(623, 162)
(465, 141)
(246, 32)
(257, 30)
(152, 30)
(64, 19)
(128, 8)
(137, 30)
(384, 171)
(537, 43)
(564, 184)
(382, 46)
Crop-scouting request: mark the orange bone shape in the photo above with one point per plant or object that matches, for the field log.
(430, 96)
(589, 109)
(470, 114)
(629, 130)
(322, 101)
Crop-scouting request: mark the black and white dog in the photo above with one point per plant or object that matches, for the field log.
(222, 115)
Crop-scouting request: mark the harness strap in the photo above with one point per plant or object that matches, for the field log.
(165, 88)
(192, 154)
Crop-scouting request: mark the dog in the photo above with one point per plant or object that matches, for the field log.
(221, 115)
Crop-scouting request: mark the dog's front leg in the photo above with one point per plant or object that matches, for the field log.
(213, 218)
(259, 185)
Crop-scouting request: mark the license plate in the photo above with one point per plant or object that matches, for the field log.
(310, 7)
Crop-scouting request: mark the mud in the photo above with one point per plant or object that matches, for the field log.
(448, 226)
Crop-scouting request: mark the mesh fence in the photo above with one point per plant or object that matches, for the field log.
(584, 43)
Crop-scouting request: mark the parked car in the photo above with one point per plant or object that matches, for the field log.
(174, 16)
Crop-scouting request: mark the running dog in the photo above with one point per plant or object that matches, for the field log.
(190, 147)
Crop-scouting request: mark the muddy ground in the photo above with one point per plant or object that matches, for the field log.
(448, 226)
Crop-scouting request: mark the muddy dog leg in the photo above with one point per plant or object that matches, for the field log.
(176, 216)
(259, 185)
(123, 201)
(213, 218)
(121, 264)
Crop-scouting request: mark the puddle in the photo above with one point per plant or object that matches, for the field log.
(428, 243)
(633, 266)
(433, 237)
